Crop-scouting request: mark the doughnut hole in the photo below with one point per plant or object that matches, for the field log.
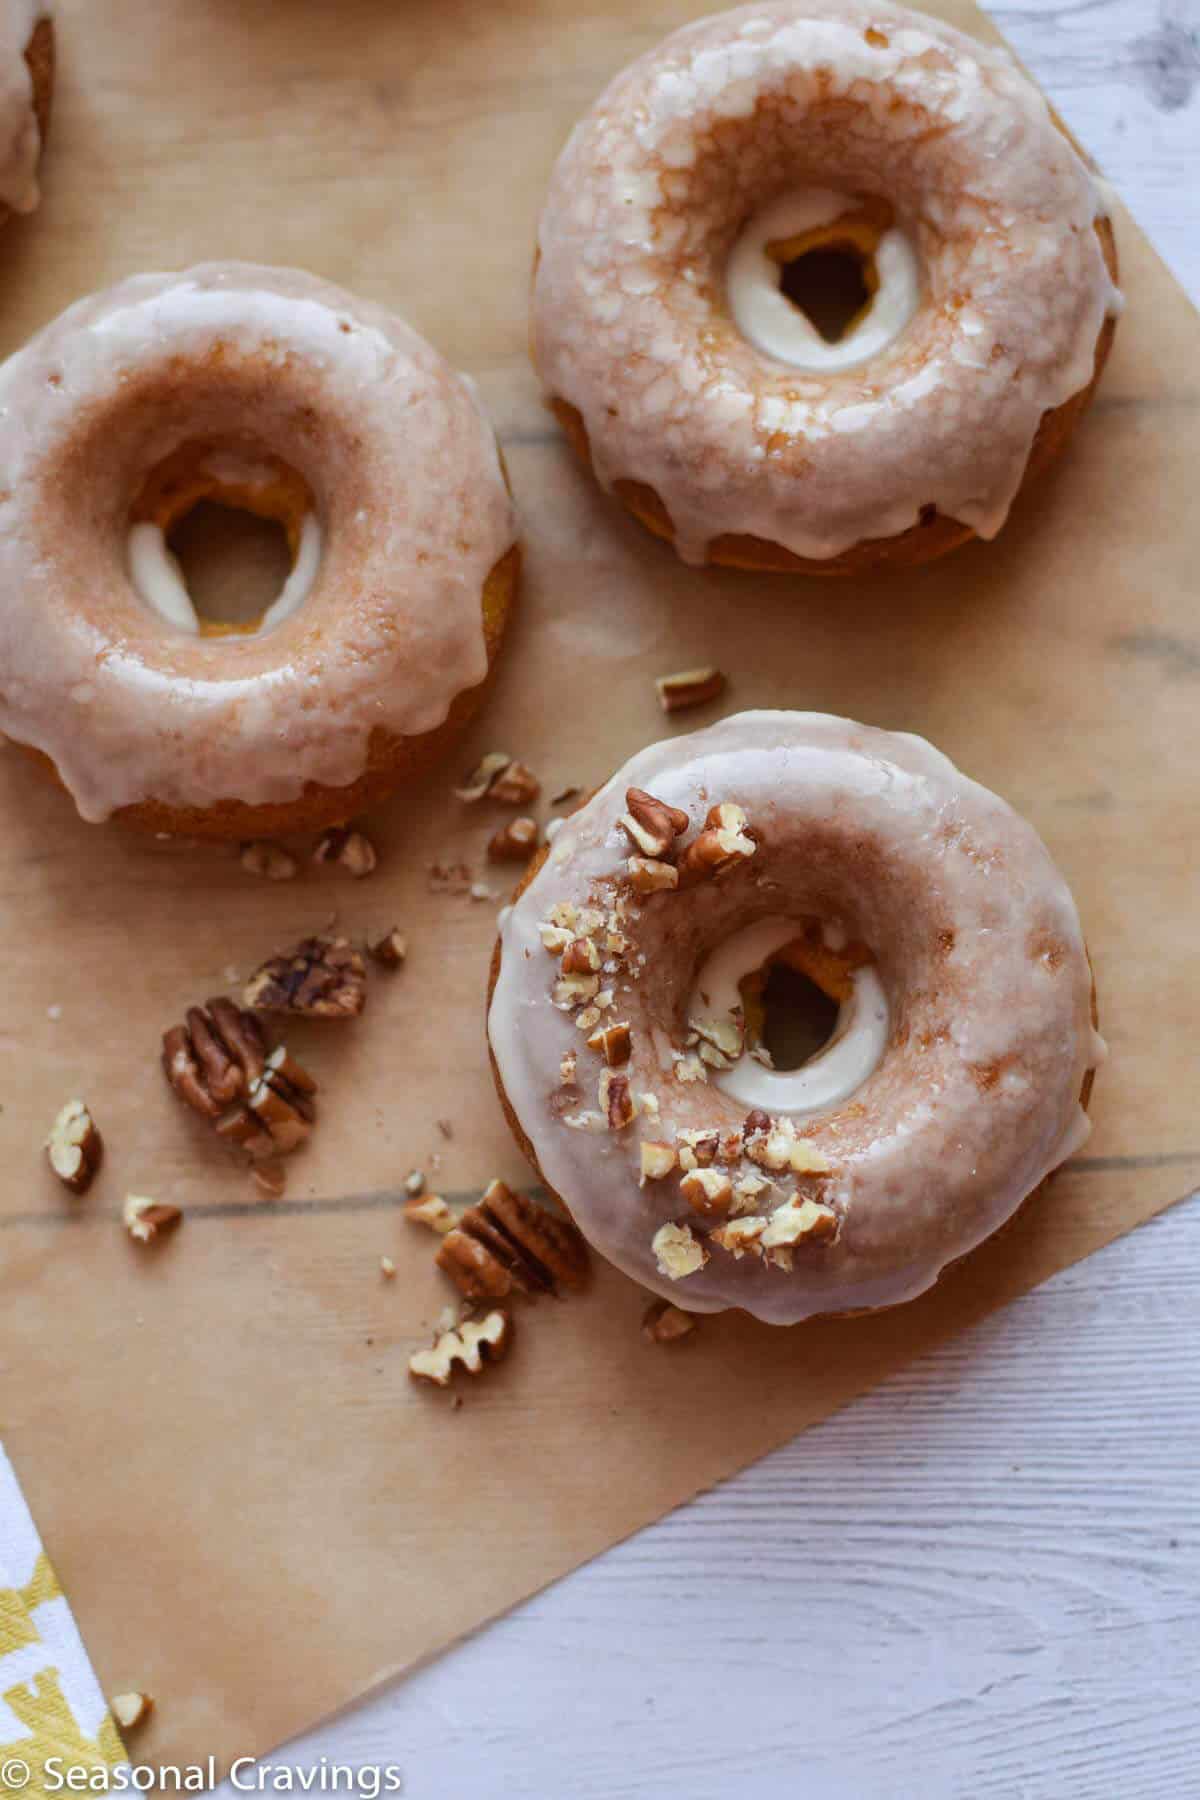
(787, 1013)
(829, 273)
(231, 513)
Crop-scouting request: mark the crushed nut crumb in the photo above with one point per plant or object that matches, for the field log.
(663, 1323)
(349, 849)
(269, 861)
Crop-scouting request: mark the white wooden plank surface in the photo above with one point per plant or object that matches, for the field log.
(983, 1580)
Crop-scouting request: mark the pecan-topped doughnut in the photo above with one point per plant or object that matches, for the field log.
(709, 175)
(625, 1016)
(26, 87)
(272, 391)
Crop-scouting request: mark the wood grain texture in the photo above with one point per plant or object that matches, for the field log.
(981, 1580)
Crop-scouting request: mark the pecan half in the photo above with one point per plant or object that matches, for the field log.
(215, 1056)
(322, 978)
(506, 1242)
(651, 824)
(74, 1147)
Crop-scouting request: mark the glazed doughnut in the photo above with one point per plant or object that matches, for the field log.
(625, 1018)
(713, 406)
(26, 86)
(272, 391)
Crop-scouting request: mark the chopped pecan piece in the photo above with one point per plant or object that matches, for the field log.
(74, 1147)
(270, 861)
(616, 1100)
(515, 786)
(678, 1251)
(449, 878)
(614, 1043)
(581, 957)
(514, 842)
(146, 1220)
(690, 687)
(570, 991)
(657, 1161)
(131, 1710)
(269, 1177)
(722, 845)
(801, 1221)
(663, 1323)
(479, 781)
(649, 876)
(391, 949)
(507, 1242)
(469, 1344)
(322, 978)
(708, 1190)
(499, 776)
(430, 1210)
(351, 850)
(740, 1235)
(698, 1149)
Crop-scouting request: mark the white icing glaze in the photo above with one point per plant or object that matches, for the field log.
(836, 1072)
(763, 312)
(155, 572)
(408, 492)
(630, 321)
(978, 949)
(20, 139)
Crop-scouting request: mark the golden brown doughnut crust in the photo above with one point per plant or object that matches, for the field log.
(390, 760)
(39, 58)
(527, 1150)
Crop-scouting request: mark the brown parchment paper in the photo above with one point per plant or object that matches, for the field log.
(254, 1513)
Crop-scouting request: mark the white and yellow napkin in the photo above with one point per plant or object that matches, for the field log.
(52, 1712)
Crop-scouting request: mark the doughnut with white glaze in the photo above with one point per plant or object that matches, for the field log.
(279, 393)
(955, 1083)
(705, 400)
